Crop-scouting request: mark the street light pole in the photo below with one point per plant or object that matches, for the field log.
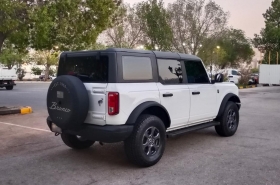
(277, 57)
(218, 48)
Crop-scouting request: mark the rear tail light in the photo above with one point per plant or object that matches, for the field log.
(113, 103)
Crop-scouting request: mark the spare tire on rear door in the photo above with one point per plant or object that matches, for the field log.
(67, 102)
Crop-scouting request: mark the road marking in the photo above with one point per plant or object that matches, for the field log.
(38, 129)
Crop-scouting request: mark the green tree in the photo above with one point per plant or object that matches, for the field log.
(11, 56)
(127, 33)
(269, 37)
(154, 19)
(96, 46)
(194, 20)
(229, 49)
(71, 25)
(46, 58)
(15, 21)
(36, 70)
(44, 24)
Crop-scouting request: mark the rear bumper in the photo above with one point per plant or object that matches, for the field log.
(107, 134)
(7, 83)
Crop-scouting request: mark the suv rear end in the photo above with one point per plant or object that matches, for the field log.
(95, 70)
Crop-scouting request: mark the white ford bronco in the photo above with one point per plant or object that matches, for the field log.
(139, 97)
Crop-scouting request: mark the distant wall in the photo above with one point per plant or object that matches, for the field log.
(28, 71)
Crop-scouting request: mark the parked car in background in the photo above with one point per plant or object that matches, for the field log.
(233, 75)
(42, 77)
(53, 76)
(7, 77)
(254, 79)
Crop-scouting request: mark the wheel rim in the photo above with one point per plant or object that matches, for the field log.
(80, 138)
(151, 141)
(231, 119)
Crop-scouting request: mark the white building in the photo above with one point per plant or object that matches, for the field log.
(28, 67)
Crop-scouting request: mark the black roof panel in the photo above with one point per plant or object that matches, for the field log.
(158, 54)
(170, 55)
(129, 50)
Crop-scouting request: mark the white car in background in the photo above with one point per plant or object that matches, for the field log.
(53, 77)
(233, 75)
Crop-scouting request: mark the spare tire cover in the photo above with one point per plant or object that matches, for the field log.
(67, 102)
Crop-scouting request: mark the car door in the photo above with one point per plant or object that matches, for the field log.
(203, 94)
(174, 93)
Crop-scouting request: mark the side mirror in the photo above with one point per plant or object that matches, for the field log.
(170, 69)
(219, 77)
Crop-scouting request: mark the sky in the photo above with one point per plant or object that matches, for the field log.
(244, 14)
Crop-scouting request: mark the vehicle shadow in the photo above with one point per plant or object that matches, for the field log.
(113, 154)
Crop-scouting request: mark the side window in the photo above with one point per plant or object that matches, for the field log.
(170, 71)
(196, 72)
(137, 68)
(233, 72)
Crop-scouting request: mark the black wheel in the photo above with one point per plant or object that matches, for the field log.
(76, 142)
(9, 87)
(228, 121)
(146, 144)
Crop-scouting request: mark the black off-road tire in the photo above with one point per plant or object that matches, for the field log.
(9, 87)
(140, 142)
(74, 142)
(228, 123)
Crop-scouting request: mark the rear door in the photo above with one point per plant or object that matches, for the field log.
(174, 93)
(203, 94)
(92, 69)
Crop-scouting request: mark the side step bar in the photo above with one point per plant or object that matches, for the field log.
(191, 128)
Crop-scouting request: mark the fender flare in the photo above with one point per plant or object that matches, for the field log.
(229, 96)
(142, 107)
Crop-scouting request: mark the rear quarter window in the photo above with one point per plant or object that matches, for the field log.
(137, 68)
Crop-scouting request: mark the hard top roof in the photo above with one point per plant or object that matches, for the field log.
(158, 54)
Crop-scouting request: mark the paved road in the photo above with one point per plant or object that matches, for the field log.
(26, 94)
(252, 156)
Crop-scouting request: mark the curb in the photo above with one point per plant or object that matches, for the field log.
(15, 110)
(23, 82)
(247, 86)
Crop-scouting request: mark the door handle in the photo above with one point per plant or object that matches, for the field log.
(167, 95)
(196, 93)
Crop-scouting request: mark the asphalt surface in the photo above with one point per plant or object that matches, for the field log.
(26, 94)
(251, 156)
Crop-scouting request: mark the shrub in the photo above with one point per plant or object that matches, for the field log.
(245, 76)
(36, 70)
(255, 70)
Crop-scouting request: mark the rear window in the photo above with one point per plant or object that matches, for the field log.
(87, 68)
(137, 68)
